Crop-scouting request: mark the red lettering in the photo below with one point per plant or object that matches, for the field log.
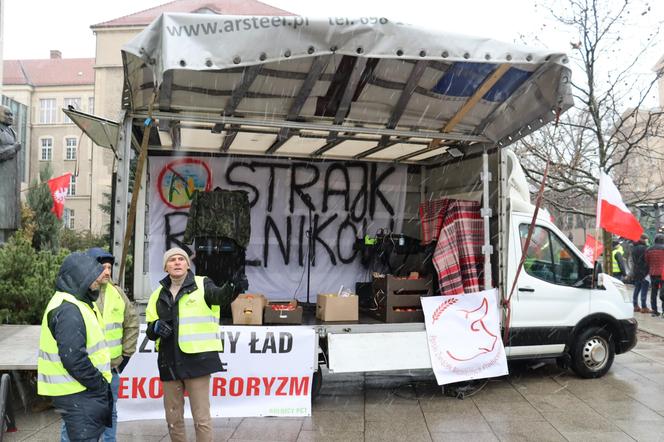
(138, 388)
(281, 390)
(299, 389)
(252, 386)
(218, 387)
(122, 389)
(268, 385)
(236, 386)
(156, 388)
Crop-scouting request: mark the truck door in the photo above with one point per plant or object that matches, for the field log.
(549, 297)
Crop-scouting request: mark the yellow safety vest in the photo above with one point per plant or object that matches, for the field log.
(615, 268)
(52, 377)
(114, 310)
(198, 324)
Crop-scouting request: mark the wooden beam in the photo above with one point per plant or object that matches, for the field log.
(231, 133)
(420, 152)
(349, 92)
(249, 75)
(318, 65)
(407, 92)
(473, 100)
(329, 145)
(165, 91)
(477, 96)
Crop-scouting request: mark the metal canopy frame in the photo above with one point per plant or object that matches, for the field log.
(371, 90)
(339, 130)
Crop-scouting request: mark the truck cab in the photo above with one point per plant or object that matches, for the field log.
(557, 308)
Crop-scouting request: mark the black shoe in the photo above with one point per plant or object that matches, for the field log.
(654, 314)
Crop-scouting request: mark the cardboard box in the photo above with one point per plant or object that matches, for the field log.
(331, 307)
(247, 309)
(282, 312)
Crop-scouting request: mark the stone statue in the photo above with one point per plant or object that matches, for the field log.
(10, 180)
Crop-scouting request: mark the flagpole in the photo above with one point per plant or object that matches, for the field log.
(598, 214)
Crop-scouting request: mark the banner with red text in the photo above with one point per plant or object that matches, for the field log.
(267, 372)
(463, 332)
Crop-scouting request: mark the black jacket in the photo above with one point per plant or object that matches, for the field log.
(86, 413)
(173, 363)
(639, 264)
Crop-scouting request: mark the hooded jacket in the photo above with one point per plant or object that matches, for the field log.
(86, 413)
(639, 263)
(173, 363)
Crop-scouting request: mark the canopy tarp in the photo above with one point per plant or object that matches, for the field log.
(343, 88)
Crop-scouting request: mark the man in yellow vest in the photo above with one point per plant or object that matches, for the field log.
(74, 363)
(121, 331)
(618, 260)
(183, 317)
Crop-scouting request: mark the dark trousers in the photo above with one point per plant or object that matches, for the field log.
(655, 288)
(640, 287)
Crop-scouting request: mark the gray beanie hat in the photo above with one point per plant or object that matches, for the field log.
(175, 251)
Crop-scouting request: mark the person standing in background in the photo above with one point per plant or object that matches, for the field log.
(640, 274)
(655, 260)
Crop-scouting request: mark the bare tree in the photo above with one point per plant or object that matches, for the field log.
(609, 126)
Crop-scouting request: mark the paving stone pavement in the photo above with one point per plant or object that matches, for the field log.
(534, 403)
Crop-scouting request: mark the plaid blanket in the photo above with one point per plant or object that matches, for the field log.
(457, 226)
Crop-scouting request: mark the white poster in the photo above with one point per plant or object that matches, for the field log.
(348, 200)
(463, 332)
(267, 371)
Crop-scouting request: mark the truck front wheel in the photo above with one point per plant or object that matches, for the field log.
(593, 353)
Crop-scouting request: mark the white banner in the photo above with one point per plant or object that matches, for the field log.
(463, 332)
(349, 200)
(267, 371)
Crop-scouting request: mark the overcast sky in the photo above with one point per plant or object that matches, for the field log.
(32, 28)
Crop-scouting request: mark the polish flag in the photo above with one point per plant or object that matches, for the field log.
(612, 214)
(59, 188)
(592, 248)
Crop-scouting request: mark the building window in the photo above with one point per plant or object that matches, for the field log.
(69, 218)
(46, 149)
(91, 105)
(71, 191)
(73, 102)
(70, 148)
(47, 111)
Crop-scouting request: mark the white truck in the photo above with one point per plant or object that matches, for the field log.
(373, 93)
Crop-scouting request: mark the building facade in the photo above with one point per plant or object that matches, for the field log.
(110, 37)
(44, 87)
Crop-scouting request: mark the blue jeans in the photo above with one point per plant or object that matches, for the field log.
(109, 433)
(640, 287)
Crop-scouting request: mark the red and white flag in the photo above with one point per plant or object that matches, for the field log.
(59, 186)
(592, 248)
(612, 214)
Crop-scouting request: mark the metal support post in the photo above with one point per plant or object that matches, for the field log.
(487, 249)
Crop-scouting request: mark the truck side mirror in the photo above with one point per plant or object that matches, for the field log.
(598, 267)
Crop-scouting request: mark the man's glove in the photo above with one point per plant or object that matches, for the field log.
(123, 364)
(240, 284)
(162, 328)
